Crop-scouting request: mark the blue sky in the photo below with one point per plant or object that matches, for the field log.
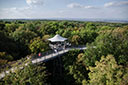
(104, 9)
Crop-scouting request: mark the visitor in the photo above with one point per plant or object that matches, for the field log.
(39, 54)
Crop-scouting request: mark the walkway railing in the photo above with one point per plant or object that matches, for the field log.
(51, 54)
(45, 56)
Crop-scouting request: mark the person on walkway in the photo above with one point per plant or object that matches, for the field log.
(39, 54)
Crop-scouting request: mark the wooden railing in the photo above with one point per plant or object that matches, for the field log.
(45, 57)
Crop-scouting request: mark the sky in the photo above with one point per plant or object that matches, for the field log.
(40, 9)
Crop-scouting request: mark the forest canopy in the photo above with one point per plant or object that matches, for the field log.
(106, 64)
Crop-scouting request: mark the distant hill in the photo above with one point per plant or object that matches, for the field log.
(78, 19)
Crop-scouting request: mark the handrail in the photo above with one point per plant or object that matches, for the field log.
(53, 54)
(46, 56)
(51, 51)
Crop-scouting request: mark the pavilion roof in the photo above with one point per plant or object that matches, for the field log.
(57, 38)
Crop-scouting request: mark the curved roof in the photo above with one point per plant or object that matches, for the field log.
(57, 38)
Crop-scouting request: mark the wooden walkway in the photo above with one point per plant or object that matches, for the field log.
(43, 59)
(53, 55)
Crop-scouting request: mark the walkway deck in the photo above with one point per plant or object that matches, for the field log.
(43, 59)
(53, 55)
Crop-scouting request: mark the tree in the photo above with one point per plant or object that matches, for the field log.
(74, 67)
(48, 28)
(90, 26)
(4, 55)
(8, 45)
(2, 25)
(75, 39)
(108, 72)
(60, 31)
(105, 28)
(30, 74)
(78, 71)
(109, 42)
(11, 27)
(37, 45)
(66, 33)
(88, 35)
(45, 37)
(23, 36)
(32, 26)
(4, 58)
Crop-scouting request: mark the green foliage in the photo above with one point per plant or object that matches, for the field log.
(30, 26)
(8, 45)
(29, 75)
(78, 71)
(90, 26)
(3, 62)
(37, 45)
(74, 66)
(2, 25)
(109, 42)
(70, 57)
(11, 27)
(23, 36)
(105, 28)
(19, 38)
(60, 32)
(49, 28)
(45, 38)
(75, 39)
(5, 56)
(108, 72)
(88, 35)
(67, 33)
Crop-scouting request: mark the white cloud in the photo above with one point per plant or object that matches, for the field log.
(76, 5)
(14, 12)
(114, 4)
(35, 2)
(88, 7)
(109, 4)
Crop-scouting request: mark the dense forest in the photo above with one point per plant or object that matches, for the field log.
(107, 64)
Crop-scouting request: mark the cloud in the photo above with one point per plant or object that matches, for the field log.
(35, 2)
(89, 7)
(22, 12)
(115, 4)
(109, 4)
(14, 12)
(76, 5)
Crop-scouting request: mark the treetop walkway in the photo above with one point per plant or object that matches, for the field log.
(51, 55)
(48, 55)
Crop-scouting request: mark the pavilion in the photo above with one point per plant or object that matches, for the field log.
(58, 43)
(57, 38)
